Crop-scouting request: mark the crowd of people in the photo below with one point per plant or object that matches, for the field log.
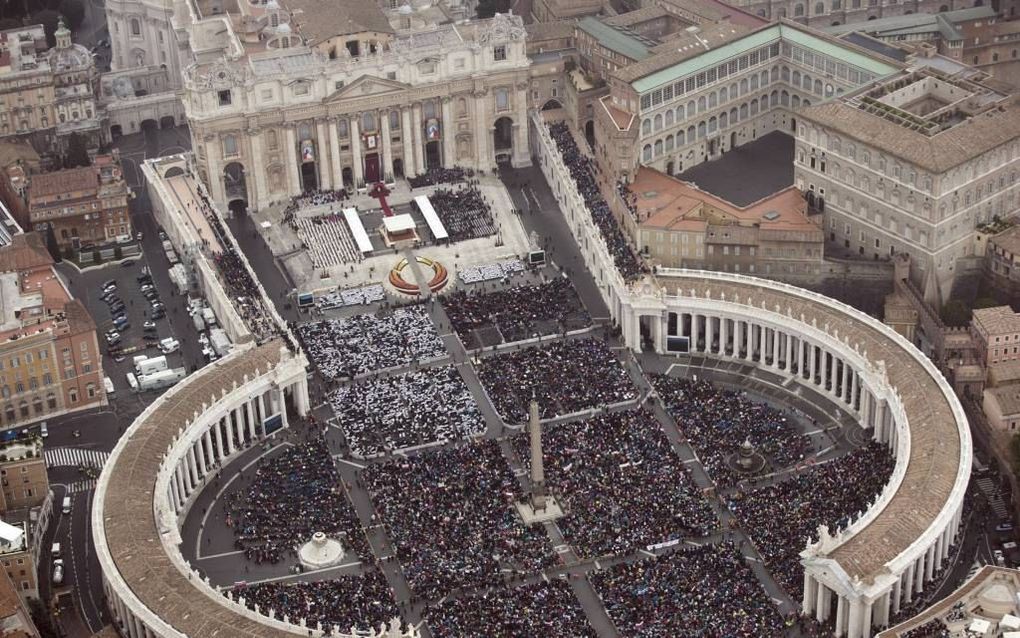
(327, 239)
(546, 609)
(417, 408)
(623, 484)
(488, 272)
(781, 517)
(450, 516)
(934, 628)
(564, 377)
(363, 602)
(309, 199)
(355, 345)
(440, 175)
(718, 421)
(582, 170)
(707, 591)
(345, 297)
(465, 212)
(292, 495)
(519, 312)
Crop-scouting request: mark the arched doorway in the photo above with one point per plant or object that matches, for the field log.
(167, 121)
(552, 105)
(347, 176)
(670, 167)
(589, 133)
(793, 124)
(503, 139)
(234, 183)
(398, 167)
(237, 207)
(173, 171)
(116, 131)
(149, 125)
(733, 140)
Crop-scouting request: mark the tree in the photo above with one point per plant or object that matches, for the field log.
(48, 19)
(73, 11)
(489, 8)
(77, 153)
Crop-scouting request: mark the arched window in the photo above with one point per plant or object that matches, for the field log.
(798, 10)
(462, 107)
(819, 8)
(669, 118)
(818, 87)
(679, 113)
(806, 82)
(51, 401)
(342, 128)
(669, 143)
(37, 404)
(646, 153)
(733, 115)
(774, 98)
(136, 27)
(679, 139)
(743, 86)
(713, 124)
(754, 106)
(691, 109)
(786, 74)
(368, 121)
(9, 413)
(646, 127)
(658, 122)
(743, 111)
(702, 104)
(724, 94)
(690, 134)
(712, 100)
(774, 74)
(784, 98)
(701, 130)
(796, 101)
(394, 121)
(724, 120)
(796, 78)
(658, 148)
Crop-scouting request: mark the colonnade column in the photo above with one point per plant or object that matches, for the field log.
(789, 353)
(358, 166)
(909, 582)
(386, 146)
(854, 624)
(724, 335)
(776, 339)
(251, 420)
(866, 623)
(844, 392)
(230, 435)
(810, 593)
(840, 616)
(293, 177)
(695, 330)
(181, 490)
(709, 332)
(408, 142)
(811, 362)
(749, 339)
(854, 387)
(833, 375)
(322, 161)
(193, 467)
(821, 606)
(214, 452)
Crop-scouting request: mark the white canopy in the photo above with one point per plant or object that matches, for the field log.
(431, 218)
(398, 223)
(358, 230)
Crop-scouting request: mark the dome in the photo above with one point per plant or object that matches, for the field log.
(272, 5)
(72, 58)
(283, 29)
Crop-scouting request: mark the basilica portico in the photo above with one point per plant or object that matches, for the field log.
(271, 126)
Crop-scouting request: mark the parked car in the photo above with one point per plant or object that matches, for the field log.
(149, 325)
(127, 263)
(58, 571)
(1004, 527)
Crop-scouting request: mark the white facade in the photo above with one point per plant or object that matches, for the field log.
(269, 126)
(141, 35)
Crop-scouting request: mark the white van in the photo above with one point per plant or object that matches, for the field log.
(169, 345)
(108, 384)
(44, 431)
(132, 381)
(55, 551)
(66, 507)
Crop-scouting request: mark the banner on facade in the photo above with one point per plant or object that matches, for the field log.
(371, 141)
(431, 129)
(307, 151)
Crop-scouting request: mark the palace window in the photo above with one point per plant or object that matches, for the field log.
(499, 53)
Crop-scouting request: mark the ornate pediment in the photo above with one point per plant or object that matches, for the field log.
(366, 86)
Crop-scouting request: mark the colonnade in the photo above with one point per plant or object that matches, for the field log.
(241, 426)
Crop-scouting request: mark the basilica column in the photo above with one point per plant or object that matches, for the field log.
(447, 131)
(334, 153)
(258, 171)
(386, 151)
(483, 132)
(356, 160)
(293, 177)
(407, 141)
(416, 130)
(321, 159)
